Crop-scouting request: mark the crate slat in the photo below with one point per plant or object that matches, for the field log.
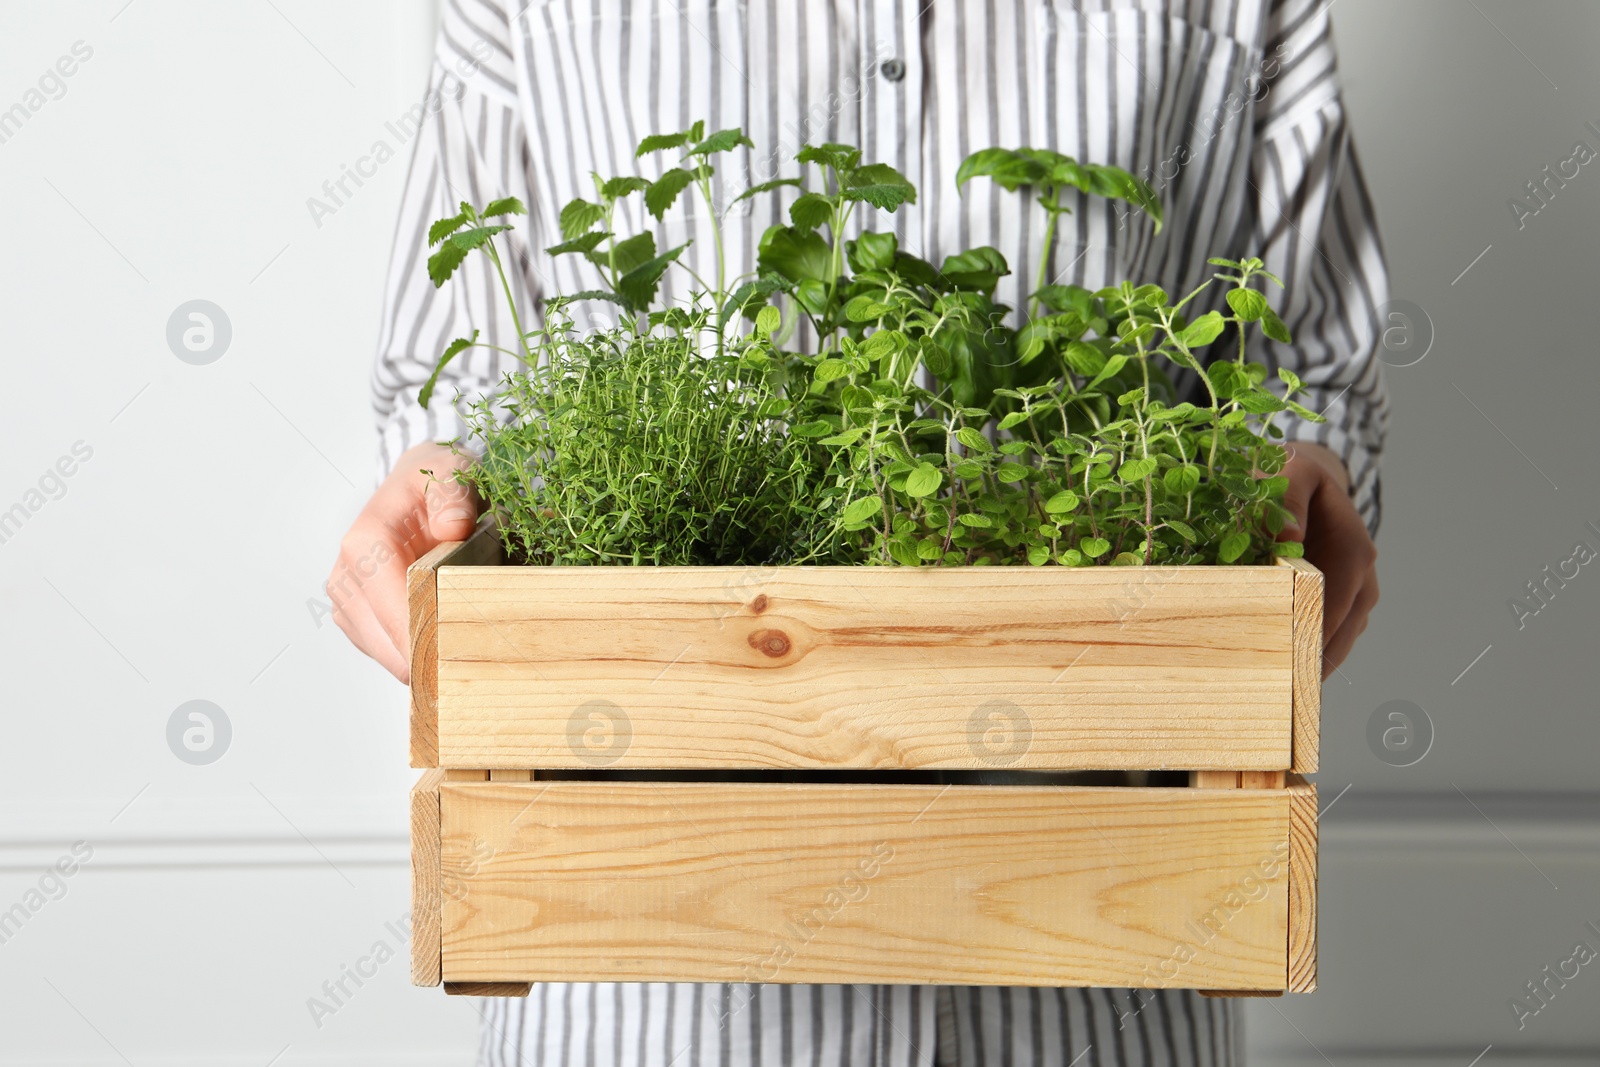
(1308, 592)
(791, 882)
(868, 667)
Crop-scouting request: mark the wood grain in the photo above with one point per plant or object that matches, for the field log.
(1302, 885)
(890, 667)
(791, 882)
(427, 884)
(422, 601)
(1308, 595)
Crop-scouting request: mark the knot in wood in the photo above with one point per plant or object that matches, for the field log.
(774, 643)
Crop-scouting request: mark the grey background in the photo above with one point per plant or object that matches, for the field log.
(186, 557)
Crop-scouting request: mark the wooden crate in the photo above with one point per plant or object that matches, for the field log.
(695, 671)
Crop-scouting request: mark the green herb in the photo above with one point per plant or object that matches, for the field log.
(687, 435)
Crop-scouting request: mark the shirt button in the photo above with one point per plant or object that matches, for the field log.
(893, 69)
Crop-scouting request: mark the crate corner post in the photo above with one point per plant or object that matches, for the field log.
(427, 884)
(1302, 945)
(422, 602)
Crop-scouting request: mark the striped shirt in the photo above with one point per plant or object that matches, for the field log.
(1230, 108)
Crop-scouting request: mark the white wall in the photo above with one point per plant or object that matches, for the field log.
(1435, 914)
(180, 561)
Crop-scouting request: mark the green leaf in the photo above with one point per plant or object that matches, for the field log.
(936, 357)
(924, 481)
(445, 227)
(638, 287)
(766, 187)
(810, 211)
(799, 255)
(973, 439)
(829, 369)
(872, 251)
(722, 141)
(861, 510)
(1204, 330)
(1274, 328)
(1084, 359)
(1094, 547)
(1184, 530)
(1248, 304)
(1233, 546)
(815, 428)
(865, 309)
(812, 293)
(930, 548)
(506, 205)
(1304, 412)
(848, 437)
(579, 217)
(459, 345)
(443, 263)
(1289, 549)
(636, 250)
(1136, 470)
(768, 319)
(1010, 170)
(1117, 183)
(979, 522)
(879, 185)
(658, 142)
(1010, 473)
(1038, 555)
(1062, 502)
(838, 156)
(664, 191)
(585, 243)
(1014, 419)
(616, 188)
(978, 268)
(1257, 402)
(903, 551)
(1113, 365)
(883, 343)
(1181, 481)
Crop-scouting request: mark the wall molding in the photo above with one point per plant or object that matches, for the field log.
(370, 831)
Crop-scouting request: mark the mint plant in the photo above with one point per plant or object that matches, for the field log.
(916, 425)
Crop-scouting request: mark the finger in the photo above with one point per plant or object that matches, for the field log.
(390, 601)
(356, 619)
(450, 506)
(1344, 639)
(452, 509)
(1338, 544)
